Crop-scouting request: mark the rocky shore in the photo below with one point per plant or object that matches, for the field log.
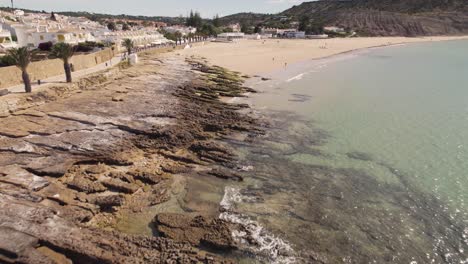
(76, 158)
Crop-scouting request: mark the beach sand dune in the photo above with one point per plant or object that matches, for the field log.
(255, 57)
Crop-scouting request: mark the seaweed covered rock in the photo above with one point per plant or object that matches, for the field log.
(196, 230)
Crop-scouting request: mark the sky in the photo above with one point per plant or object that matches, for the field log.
(207, 8)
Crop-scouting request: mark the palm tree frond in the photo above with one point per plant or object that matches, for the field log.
(63, 51)
(21, 57)
(128, 44)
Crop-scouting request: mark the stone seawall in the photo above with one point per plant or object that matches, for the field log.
(11, 76)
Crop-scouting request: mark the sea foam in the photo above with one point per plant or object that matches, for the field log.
(255, 238)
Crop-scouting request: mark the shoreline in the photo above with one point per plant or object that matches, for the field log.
(163, 117)
(300, 68)
(284, 145)
(253, 58)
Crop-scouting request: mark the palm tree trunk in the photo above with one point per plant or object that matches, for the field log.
(27, 82)
(129, 51)
(67, 69)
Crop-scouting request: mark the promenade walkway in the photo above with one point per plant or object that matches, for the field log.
(77, 74)
(61, 78)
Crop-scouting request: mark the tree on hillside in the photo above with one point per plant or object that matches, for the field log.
(216, 21)
(304, 22)
(128, 44)
(147, 24)
(315, 28)
(247, 29)
(52, 17)
(209, 30)
(21, 57)
(194, 20)
(310, 27)
(257, 29)
(125, 27)
(64, 51)
(112, 26)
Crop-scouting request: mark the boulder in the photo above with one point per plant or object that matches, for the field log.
(197, 230)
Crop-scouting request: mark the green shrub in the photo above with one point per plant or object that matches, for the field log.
(6, 61)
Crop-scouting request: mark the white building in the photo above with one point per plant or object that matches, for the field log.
(182, 29)
(140, 38)
(334, 29)
(235, 27)
(71, 36)
(230, 36)
(6, 41)
(34, 29)
(276, 31)
(18, 13)
(294, 34)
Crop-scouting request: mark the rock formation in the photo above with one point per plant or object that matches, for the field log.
(73, 159)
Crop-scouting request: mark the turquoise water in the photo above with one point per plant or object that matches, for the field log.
(366, 159)
(406, 105)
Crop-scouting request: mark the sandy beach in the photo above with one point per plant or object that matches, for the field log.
(255, 57)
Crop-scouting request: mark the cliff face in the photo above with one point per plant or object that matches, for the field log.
(390, 17)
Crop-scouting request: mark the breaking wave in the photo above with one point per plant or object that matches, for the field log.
(255, 238)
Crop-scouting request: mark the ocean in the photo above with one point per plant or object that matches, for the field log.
(365, 160)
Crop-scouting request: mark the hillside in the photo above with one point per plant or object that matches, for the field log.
(246, 18)
(378, 17)
(390, 17)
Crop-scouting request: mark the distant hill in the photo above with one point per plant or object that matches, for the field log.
(246, 18)
(101, 17)
(390, 17)
(380, 17)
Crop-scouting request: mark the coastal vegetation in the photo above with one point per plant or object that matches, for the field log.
(45, 46)
(369, 17)
(174, 36)
(89, 46)
(6, 61)
(103, 17)
(21, 57)
(204, 28)
(366, 17)
(311, 26)
(64, 52)
(194, 20)
(128, 44)
(125, 27)
(112, 26)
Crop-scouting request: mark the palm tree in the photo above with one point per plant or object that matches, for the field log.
(22, 58)
(128, 44)
(64, 51)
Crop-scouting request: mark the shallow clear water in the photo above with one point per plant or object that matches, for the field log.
(405, 105)
(366, 160)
